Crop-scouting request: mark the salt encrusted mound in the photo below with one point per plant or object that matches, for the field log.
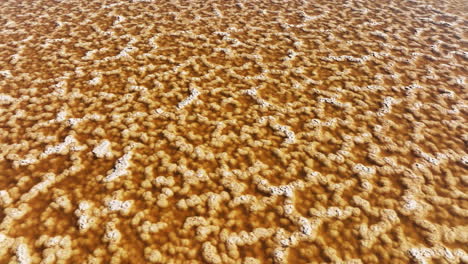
(103, 149)
(120, 168)
(194, 93)
(233, 131)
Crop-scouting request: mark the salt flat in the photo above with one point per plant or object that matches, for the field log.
(233, 131)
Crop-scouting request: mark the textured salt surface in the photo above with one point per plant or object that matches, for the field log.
(233, 131)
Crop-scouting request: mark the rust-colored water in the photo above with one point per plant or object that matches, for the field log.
(214, 131)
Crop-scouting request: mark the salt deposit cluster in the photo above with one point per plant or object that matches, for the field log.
(233, 131)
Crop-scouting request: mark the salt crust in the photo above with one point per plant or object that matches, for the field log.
(319, 160)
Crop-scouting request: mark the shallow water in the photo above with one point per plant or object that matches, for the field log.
(240, 132)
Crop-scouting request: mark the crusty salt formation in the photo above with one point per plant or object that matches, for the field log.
(234, 131)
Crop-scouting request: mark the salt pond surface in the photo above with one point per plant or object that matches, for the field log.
(223, 131)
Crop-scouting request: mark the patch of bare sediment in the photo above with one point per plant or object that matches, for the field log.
(239, 131)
